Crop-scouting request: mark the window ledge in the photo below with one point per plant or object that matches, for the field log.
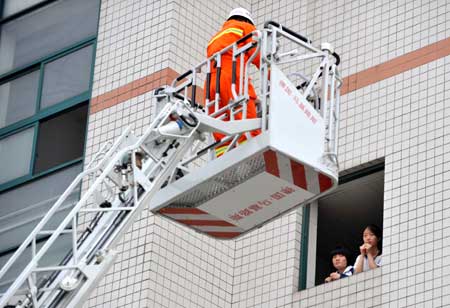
(349, 286)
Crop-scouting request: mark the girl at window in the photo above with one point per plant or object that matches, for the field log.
(370, 250)
(339, 260)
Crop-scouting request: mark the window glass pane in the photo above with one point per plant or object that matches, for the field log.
(47, 30)
(22, 208)
(66, 77)
(14, 6)
(15, 155)
(18, 98)
(61, 139)
(54, 256)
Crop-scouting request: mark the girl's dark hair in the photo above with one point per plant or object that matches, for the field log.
(240, 18)
(378, 233)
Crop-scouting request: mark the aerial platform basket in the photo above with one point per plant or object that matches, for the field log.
(291, 163)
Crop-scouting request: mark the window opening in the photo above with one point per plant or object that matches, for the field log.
(61, 139)
(342, 217)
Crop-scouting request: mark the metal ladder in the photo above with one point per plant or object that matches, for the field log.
(123, 178)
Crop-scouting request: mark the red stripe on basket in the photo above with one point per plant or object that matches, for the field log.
(218, 223)
(181, 210)
(299, 175)
(224, 234)
(270, 158)
(325, 182)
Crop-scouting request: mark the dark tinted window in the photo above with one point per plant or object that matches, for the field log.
(61, 139)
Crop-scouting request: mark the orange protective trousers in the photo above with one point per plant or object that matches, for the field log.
(231, 31)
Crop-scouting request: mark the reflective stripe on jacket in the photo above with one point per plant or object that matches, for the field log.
(232, 30)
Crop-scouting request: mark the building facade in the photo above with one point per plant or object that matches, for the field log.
(394, 129)
(395, 64)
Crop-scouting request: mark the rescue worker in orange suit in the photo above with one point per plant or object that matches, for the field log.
(239, 24)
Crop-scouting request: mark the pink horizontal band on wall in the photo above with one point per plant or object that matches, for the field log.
(396, 66)
(351, 83)
(132, 89)
(136, 88)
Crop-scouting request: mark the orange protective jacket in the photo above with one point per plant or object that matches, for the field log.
(232, 30)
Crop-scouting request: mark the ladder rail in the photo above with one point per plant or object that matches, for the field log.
(156, 124)
(31, 219)
(32, 236)
(53, 209)
(111, 236)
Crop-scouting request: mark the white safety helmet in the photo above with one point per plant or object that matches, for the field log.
(240, 11)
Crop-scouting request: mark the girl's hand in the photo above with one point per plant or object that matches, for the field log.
(362, 249)
(335, 276)
(368, 248)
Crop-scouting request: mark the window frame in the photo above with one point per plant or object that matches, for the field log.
(304, 242)
(40, 115)
(362, 171)
(23, 12)
(25, 177)
(33, 176)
